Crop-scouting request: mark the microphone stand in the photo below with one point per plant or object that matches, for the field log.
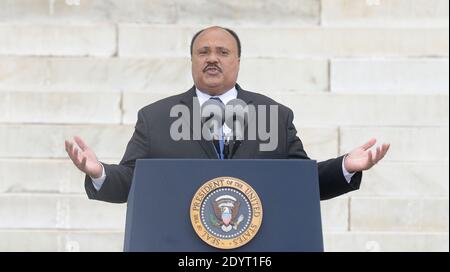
(226, 148)
(230, 147)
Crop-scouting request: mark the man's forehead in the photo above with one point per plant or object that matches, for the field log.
(214, 34)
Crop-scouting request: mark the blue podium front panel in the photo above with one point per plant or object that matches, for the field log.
(158, 214)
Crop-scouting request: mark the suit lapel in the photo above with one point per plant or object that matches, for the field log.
(188, 100)
(246, 147)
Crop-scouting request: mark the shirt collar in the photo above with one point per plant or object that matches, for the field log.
(225, 97)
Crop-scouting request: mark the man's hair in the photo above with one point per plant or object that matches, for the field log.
(235, 36)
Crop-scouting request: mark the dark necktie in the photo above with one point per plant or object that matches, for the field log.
(220, 146)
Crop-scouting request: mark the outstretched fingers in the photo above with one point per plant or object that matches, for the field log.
(381, 152)
(377, 155)
(80, 143)
(69, 149)
(83, 162)
(82, 157)
(364, 158)
(75, 154)
(370, 157)
(72, 152)
(369, 144)
(384, 150)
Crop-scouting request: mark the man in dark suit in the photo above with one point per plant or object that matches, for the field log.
(215, 55)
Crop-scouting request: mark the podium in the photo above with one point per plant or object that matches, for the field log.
(159, 204)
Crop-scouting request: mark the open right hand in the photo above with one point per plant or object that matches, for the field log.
(85, 160)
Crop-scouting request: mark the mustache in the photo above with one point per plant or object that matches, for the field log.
(212, 66)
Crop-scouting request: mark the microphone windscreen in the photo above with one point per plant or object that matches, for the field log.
(213, 109)
(236, 110)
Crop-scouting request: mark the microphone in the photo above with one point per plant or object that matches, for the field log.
(226, 149)
(236, 118)
(234, 147)
(213, 118)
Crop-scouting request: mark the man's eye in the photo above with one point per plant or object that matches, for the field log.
(225, 53)
(202, 53)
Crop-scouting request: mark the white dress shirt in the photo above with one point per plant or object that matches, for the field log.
(225, 98)
(202, 98)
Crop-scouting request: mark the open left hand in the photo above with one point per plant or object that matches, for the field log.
(84, 158)
(361, 158)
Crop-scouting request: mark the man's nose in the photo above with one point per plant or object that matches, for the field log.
(212, 58)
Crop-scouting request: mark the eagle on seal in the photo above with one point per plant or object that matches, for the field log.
(226, 209)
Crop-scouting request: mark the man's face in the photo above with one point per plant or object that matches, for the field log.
(215, 61)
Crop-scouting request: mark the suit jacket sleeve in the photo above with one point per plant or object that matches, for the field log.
(332, 182)
(118, 177)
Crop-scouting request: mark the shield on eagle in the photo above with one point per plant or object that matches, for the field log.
(226, 210)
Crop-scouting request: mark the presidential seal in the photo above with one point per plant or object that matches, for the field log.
(226, 212)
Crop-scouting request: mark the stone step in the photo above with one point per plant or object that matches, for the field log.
(152, 74)
(76, 212)
(234, 12)
(385, 12)
(82, 107)
(427, 75)
(335, 214)
(58, 39)
(320, 143)
(405, 178)
(347, 109)
(137, 40)
(386, 241)
(109, 141)
(47, 141)
(407, 143)
(42, 176)
(399, 214)
(352, 109)
(67, 212)
(332, 42)
(412, 179)
(57, 240)
(50, 211)
(160, 75)
(51, 240)
(112, 108)
(94, 74)
(295, 12)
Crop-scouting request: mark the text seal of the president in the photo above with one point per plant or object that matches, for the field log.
(226, 212)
